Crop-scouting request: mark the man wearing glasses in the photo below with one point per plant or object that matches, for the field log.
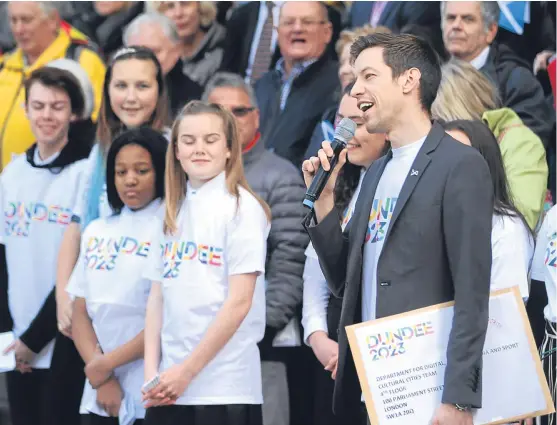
(294, 95)
(280, 185)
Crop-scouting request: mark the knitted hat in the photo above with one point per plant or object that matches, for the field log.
(82, 78)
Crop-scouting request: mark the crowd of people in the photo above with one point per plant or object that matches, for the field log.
(155, 256)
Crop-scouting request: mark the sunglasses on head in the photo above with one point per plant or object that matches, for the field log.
(242, 111)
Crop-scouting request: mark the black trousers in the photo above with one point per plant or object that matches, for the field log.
(549, 362)
(28, 397)
(92, 419)
(49, 396)
(231, 414)
(325, 385)
(534, 308)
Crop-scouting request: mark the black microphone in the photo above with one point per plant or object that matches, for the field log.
(343, 134)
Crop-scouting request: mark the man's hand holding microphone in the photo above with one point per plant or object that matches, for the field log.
(321, 171)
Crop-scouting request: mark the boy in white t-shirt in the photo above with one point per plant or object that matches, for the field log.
(206, 309)
(37, 196)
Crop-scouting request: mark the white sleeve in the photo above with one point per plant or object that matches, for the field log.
(84, 182)
(154, 264)
(538, 262)
(76, 286)
(82, 190)
(246, 238)
(316, 298)
(310, 252)
(511, 246)
(82, 185)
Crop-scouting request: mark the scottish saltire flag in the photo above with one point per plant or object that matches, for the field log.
(514, 14)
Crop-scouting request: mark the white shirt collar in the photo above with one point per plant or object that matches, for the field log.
(479, 61)
(216, 183)
(149, 209)
(38, 161)
(409, 148)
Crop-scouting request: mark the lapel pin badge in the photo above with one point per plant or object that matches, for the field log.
(413, 172)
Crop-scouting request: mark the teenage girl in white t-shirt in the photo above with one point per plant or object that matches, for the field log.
(134, 95)
(512, 242)
(321, 310)
(206, 309)
(107, 283)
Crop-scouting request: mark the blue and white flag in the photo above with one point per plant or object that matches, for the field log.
(514, 14)
(328, 130)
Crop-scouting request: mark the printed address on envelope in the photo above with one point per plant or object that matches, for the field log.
(401, 364)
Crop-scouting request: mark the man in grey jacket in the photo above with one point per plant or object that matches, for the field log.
(280, 184)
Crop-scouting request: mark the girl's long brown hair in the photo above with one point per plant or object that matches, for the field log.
(175, 178)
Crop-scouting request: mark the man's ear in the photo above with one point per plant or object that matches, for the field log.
(256, 112)
(328, 32)
(53, 21)
(411, 80)
(492, 32)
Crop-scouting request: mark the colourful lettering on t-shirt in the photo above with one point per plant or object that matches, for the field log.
(551, 251)
(379, 219)
(175, 253)
(18, 216)
(348, 212)
(102, 253)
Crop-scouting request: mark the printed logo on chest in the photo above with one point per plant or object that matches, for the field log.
(18, 216)
(177, 253)
(379, 219)
(102, 253)
(551, 251)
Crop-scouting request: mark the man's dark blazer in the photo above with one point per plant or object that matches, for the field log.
(240, 29)
(397, 14)
(288, 132)
(437, 249)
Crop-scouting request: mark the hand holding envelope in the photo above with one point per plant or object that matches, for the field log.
(23, 355)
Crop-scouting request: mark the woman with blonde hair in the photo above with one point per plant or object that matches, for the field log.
(202, 36)
(466, 94)
(206, 309)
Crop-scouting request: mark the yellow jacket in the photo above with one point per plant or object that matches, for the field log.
(15, 131)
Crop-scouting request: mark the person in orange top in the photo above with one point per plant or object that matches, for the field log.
(40, 38)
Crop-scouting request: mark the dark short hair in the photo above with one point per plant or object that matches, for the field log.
(348, 89)
(58, 79)
(154, 142)
(430, 34)
(402, 52)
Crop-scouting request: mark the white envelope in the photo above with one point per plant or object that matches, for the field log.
(7, 362)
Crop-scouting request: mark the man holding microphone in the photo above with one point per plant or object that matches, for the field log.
(420, 233)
